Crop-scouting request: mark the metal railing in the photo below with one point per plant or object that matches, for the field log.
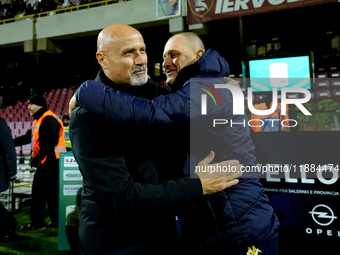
(67, 9)
(20, 189)
(17, 18)
(83, 6)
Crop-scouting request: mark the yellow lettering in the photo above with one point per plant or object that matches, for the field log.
(253, 251)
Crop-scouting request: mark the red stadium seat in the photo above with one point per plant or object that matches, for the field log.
(26, 149)
(18, 125)
(11, 125)
(27, 125)
(22, 111)
(16, 133)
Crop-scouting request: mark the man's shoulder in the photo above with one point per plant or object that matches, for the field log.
(90, 132)
(2, 123)
(206, 83)
(50, 120)
(3, 127)
(82, 114)
(84, 118)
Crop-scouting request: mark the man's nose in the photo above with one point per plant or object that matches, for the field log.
(141, 59)
(166, 62)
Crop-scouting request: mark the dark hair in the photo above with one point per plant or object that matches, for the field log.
(38, 100)
(65, 117)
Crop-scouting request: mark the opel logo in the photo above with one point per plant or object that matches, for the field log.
(323, 212)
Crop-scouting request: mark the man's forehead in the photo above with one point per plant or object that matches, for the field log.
(178, 40)
(116, 42)
(130, 42)
(176, 43)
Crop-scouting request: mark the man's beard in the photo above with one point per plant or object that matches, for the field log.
(138, 80)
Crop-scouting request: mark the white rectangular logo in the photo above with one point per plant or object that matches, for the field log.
(71, 190)
(70, 162)
(72, 175)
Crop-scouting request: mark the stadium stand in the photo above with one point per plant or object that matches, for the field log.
(18, 10)
(19, 121)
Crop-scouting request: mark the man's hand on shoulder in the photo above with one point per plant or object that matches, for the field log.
(217, 177)
(72, 104)
(231, 82)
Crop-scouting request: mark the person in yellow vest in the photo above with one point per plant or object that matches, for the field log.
(66, 121)
(47, 140)
(271, 122)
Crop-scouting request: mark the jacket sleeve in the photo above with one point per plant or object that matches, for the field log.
(24, 139)
(9, 150)
(48, 135)
(112, 183)
(172, 109)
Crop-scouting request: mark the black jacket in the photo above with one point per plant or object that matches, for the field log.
(48, 135)
(8, 157)
(122, 200)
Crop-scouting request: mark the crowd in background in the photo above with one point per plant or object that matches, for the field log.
(14, 93)
(19, 8)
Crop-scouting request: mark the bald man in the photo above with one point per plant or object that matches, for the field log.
(124, 209)
(122, 60)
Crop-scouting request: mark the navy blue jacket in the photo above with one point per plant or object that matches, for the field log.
(8, 157)
(235, 218)
(122, 204)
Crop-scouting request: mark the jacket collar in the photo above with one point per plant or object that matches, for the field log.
(39, 113)
(149, 90)
(184, 75)
(210, 63)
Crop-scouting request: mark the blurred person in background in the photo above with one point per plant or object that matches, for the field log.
(29, 9)
(168, 8)
(8, 170)
(66, 121)
(47, 138)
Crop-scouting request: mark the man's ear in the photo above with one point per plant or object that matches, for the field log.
(101, 59)
(199, 54)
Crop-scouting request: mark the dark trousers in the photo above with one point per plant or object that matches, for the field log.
(7, 221)
(45, 189)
